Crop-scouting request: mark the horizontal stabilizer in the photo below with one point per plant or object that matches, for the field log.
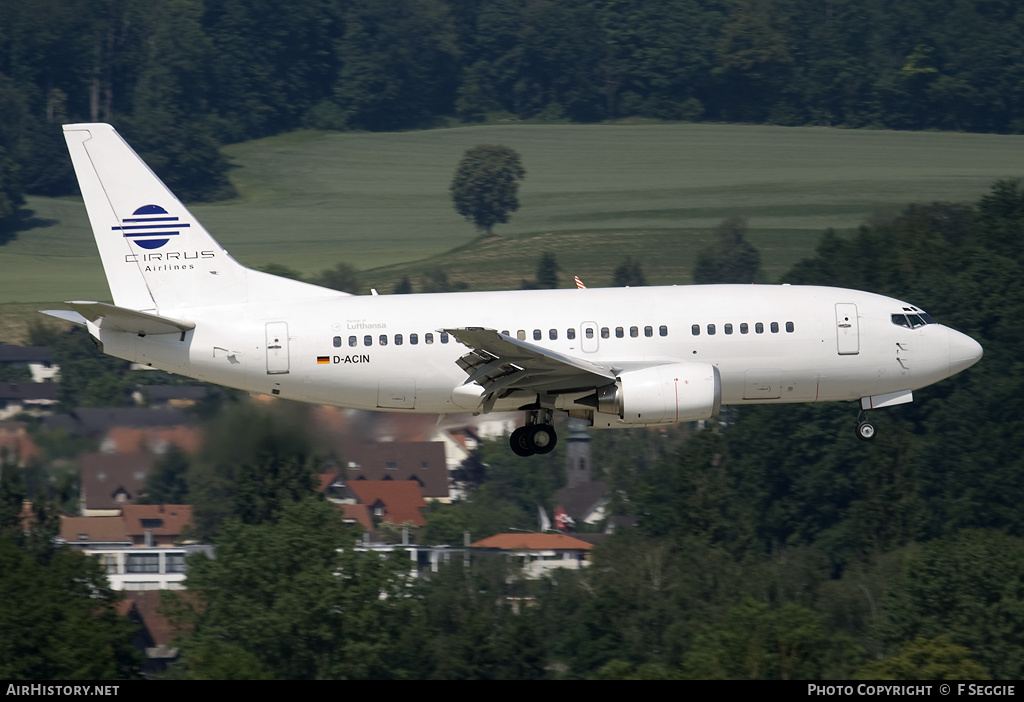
(122, 319)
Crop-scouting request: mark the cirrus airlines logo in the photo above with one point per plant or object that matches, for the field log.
(150, 227)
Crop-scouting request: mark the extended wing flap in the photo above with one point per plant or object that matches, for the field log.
(499, 363)
(114, 318)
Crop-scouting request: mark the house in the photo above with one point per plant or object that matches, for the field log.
(136, 548)
(94, 532)
(539, 553)
(96, 422)
(420, 461)
(35, 359)
(32, 398)
(109, 481)
(156, 525)
(395, 501)
(155, 634)
(176, 396)
(126, 439)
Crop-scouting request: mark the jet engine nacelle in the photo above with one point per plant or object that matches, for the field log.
(676, 392)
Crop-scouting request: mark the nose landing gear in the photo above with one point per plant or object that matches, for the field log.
(865, 429)
(537, 437)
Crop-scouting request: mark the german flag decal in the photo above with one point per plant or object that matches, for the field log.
(323, 359)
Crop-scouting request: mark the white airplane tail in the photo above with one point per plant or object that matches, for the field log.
(155, 253)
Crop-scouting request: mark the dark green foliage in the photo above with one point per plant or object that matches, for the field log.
(968, 587)
(403, 287)
(398, 64)
(926, 659)
(57, 614)
(547, 274)
(280, 601)
(731, 259)
(484, 189)
(342, 277)
(167, 484)
(57, 619)
(628, 274)
(281, 270)
(87, 378)
(183, 77)
(254, 462)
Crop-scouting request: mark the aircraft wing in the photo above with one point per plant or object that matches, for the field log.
(499, 363)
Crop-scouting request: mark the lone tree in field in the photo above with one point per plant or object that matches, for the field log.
(486, 184)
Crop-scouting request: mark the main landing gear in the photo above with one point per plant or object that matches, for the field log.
(538, 436)
(865, 429)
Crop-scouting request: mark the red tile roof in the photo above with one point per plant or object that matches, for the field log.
(96, 530)
(165, 521)
(401, 500)
(533, 542)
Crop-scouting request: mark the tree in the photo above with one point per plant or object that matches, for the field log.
(293, 600)
(731, 259)
(58, 619)
(628, 274)
(547, 274)
(485, 186)
(342, 277)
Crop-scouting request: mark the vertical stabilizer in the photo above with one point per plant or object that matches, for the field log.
(155, 253)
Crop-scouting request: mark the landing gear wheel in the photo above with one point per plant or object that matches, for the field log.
(865, 430)
(519, 442)
(541, 438)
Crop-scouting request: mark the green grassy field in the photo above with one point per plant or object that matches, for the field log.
(592, 194)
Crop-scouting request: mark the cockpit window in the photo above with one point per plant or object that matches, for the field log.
(912, 321)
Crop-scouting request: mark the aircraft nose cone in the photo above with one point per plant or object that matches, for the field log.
(964, 352)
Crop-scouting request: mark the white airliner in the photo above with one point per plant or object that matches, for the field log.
(617, 357)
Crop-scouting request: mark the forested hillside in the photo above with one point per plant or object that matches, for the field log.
(181, 77)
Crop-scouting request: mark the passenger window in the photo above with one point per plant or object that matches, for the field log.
(775, 327)
(589, 332)
(337, 342)
(428, 338)
(744, 329)
(521, 335)
(728, 328)
(663, 330)
(536, 335)
(383, 339)
(634, 332)
(353, 341)
(759, 328)
(605, 333)
(570, 333)
(648, 331)
(414, 339)
(790, 327)
(695, 330)
(553, 334)
(398, 339)
(367, 340)
(711, 330)
(619, 332)
(505, 332)
(444, 337)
